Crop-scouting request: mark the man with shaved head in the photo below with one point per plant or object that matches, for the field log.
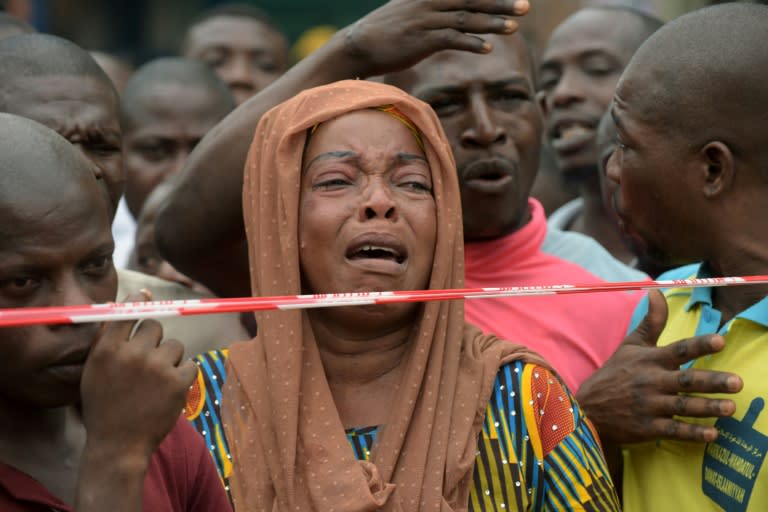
(580, 67)
(90, 412)
(241, 44)
(58, 84)
(168, 105)
(118, 70)
(691, 168)
(606, 145)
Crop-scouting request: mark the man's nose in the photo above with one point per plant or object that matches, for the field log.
(482, 130)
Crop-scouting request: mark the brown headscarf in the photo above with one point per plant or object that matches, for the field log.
(290, 451)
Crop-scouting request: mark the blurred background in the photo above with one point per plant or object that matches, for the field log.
(139, 30)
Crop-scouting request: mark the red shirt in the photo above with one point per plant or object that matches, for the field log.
(574, 333)
(181, 477)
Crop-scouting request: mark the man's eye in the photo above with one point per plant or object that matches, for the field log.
(600, 66)
(23, 282)
(548, 82)
(20, 286)
(154, 152)
(599, 71)
(98, 266)
(446, 106)
(215, 60)
(266, 65)
(510, 97)
(102, 149)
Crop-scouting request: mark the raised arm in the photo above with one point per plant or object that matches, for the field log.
(200, 231)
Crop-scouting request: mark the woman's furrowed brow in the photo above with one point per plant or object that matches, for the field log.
(332, 154)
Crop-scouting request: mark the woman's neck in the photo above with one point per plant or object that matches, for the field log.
(363, 357)
(363, 369)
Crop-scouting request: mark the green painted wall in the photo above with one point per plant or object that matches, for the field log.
(295, 16)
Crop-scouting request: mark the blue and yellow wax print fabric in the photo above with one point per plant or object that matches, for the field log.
(536, 450)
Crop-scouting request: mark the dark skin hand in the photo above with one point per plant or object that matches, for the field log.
(128, 369)
(638, 393)
(201, 231)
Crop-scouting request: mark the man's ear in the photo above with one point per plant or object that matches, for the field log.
(718, 168)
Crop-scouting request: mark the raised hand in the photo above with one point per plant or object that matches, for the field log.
(133, 390)
(642, 394)
(133, 387)
(402, 32)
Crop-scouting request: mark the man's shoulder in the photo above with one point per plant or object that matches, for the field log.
(19, 492)
(181, 437)
(563, 216)
(198, 333)
(586, 253)
(182, 475)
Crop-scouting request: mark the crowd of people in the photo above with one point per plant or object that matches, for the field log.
(403, 154)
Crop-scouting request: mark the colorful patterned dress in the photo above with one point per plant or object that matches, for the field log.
(536, 451)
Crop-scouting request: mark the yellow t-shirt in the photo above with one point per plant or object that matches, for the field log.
(727, 474)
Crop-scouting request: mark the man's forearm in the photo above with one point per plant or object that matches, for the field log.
(205, 211)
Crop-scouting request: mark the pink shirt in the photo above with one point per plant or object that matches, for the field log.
(575, 333)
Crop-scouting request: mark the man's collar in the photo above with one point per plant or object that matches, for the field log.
(757, 312)
(701, 295)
